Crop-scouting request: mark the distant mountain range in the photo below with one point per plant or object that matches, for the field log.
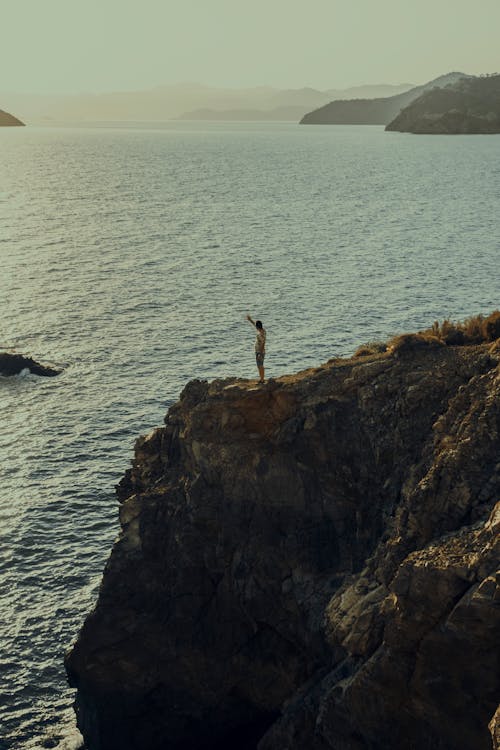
(8, 120)
(184, 101)
(291, 104)
(472, 105)
(376, 111)
(278, 114)
(401, 107)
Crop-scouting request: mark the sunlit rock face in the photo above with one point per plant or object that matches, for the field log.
(495, 729)
(310, 563)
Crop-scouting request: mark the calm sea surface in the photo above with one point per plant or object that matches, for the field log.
(131, 256)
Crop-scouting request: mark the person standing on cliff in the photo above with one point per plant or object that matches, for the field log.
(260, 346)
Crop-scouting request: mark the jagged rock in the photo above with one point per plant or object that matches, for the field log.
(13, 364)
(494, 726)
(311, 563)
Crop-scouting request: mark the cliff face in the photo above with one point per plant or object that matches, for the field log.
(470, 106)
(309, 563)
(7, 119)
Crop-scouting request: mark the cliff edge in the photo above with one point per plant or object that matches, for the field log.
(311, 563)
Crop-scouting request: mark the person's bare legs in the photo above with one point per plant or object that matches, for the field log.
(261, 373)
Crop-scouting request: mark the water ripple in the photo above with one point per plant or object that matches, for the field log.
(131, 257)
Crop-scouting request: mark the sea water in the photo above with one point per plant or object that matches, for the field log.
(130, 256)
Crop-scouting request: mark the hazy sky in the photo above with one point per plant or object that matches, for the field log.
(103, 45)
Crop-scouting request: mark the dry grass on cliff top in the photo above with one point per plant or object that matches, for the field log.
(473, 331)
(477, 329)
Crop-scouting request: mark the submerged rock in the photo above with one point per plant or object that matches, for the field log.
(13, 364)
(311, 563)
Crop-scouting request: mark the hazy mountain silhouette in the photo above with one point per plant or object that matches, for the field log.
(277, 114)
(8, 120)
(187, 100)
(470, 106)
(378, 111)
(290, 104)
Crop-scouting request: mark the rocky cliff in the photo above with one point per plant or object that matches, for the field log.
(311, 563)
(7, 119)
(470, 106)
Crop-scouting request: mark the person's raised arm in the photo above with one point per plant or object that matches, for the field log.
(250, 320)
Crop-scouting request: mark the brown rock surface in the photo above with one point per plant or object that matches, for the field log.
(311, 563)
(494, 726)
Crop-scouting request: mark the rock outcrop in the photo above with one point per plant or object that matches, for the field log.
(470, 106)
(13, 364)
(311, 563)
(8, 120)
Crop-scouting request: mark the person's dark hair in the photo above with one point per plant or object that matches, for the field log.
(258, 324)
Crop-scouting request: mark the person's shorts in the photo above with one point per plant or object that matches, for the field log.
(259, 358)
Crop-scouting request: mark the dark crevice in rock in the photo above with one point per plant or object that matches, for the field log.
(247, 736)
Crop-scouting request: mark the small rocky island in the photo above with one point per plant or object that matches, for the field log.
(470, 106)
(312, 563)
(13, 364)
(8, 120)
